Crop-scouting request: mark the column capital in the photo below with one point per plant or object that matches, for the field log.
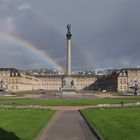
(68, 35)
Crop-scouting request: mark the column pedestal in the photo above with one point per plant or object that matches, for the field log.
(68, 87)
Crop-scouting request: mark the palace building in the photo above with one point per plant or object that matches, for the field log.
(18, 81)
(124, 80)
(15, 81)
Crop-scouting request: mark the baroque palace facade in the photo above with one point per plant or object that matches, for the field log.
(13, 80)
(123, 80)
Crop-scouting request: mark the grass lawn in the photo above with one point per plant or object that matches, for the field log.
(59, 102)
(22, 124)
(115, 124)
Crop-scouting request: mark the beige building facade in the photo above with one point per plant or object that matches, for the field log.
(15, 81)
(128, 79)
(124, 80)
(54, 83)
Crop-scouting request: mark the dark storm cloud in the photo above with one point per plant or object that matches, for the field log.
(13, 55)
(106, 30)
(118, 35)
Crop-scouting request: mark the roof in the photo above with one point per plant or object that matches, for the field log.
(9, 69)
(130, 69)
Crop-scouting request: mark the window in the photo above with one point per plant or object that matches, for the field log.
(12, 74)
(124, 74)
(124, 87)
(124, 81)
(120, 81)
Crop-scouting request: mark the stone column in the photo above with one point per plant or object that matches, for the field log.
(68, 87)
(68, 35)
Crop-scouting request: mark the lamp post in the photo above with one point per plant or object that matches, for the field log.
(32, 89)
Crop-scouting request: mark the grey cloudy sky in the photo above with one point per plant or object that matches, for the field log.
(106, 33)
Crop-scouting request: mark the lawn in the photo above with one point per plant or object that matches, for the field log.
(115, 124)
(22, 124)
(59, 102)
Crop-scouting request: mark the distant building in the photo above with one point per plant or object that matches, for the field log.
(106, 82)
(54, 82)
(20, 81)
(129, 79)
(124, 80)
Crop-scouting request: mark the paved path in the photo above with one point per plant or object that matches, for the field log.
(68, 125)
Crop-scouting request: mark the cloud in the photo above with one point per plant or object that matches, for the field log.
(7, 24)
(8, 13)
(24, 7)
(106, 32)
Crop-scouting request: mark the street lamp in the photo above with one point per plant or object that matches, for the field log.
(32, 88)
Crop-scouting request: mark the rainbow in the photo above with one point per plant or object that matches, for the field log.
(48, 21)
(45, 55)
